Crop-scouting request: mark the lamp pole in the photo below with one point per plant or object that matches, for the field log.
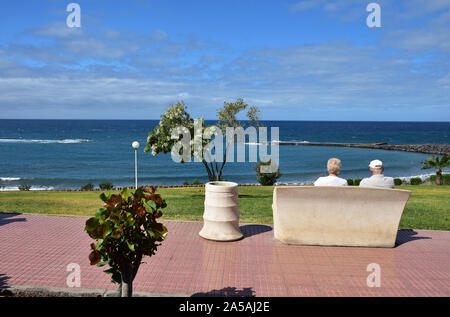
(135, 146)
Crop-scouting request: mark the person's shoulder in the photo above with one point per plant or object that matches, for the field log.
(319, 181)
(390, 181)
(343, 181)
(364, 181)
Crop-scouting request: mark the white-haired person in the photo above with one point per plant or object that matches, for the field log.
(334, 167)
(377, 179)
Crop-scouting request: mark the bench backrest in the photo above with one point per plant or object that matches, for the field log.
(341, 216)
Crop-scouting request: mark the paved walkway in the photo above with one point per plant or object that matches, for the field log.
(35, 251)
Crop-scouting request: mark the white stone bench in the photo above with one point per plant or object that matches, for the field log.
(337, 216)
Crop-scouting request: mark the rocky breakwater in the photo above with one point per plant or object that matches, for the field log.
(439, 149)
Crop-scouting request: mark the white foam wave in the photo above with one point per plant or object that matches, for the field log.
(65, 141)
(16, 188)
(421, 176)
(9, 179)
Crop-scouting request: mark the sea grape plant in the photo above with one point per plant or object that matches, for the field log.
(126, 229)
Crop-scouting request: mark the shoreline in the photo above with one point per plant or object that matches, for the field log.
(424, 178)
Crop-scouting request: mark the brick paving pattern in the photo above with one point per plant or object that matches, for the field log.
(36, 249)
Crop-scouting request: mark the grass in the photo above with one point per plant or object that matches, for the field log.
(428, 207)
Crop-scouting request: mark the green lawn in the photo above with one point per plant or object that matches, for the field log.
(428, 207)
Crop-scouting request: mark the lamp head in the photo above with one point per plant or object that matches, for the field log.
(135, 145)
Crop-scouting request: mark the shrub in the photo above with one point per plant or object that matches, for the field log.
(106, 186)
(185, 183)
(126, 230)
(266, 179)
(87, 187)
(445, 179)
(197, 182)
(357, 181)
(350, 182)
(397, 181)
(415, 181)
(24, 187)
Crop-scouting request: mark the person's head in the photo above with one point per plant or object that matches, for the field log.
(334, 166)
(376, 167)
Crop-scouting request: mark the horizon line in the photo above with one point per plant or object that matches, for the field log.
(284, 120)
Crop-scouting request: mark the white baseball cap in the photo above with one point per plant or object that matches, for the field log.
(376, 164)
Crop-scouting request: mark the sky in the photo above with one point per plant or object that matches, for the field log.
(294, 59)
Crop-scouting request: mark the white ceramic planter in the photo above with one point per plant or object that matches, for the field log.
(221, 215)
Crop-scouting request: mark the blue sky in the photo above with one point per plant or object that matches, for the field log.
(294, 59)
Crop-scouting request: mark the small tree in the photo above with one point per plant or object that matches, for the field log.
(106, 186)
(160, 141)
(438, 164)
(266, 179)
(88, 186)
(126, 230)
(24, 187)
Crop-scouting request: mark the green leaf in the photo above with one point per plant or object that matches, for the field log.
(104, 197)
(160, 230)
(91, 223)
(130, 246)
(125, 193)
(150, 205)
(101, 212)
(116, 234)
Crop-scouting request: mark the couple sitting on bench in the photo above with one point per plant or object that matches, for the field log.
(375, 167)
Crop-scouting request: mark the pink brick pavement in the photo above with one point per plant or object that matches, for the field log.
(36, 249)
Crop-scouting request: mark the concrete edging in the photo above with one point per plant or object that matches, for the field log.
(39, 291)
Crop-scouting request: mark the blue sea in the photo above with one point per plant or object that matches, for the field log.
(66, 154)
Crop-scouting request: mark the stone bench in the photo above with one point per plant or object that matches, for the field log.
(337, 216)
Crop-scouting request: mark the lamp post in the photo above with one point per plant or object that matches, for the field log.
(135, 146)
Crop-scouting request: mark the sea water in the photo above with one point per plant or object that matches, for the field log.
(66, 154)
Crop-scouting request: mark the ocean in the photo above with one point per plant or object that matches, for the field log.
(66, 154)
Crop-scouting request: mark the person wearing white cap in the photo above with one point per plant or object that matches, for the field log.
(377, 179)
(334, 167)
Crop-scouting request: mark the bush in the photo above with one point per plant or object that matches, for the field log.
(349, 182)
(197, 182)
(126, 230)
(106, 186)
(185, 183)
(87, 187)
(357, 181)
(415, 181)
(398, 182)
(445, 179)
(266, 179)
(24, 187)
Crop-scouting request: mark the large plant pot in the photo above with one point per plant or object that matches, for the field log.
(221, 215)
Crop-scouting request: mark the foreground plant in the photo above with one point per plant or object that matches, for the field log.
(126, 230)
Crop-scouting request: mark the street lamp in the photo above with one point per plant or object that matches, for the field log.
(135, 146)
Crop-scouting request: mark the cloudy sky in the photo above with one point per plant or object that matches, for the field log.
(295, 60)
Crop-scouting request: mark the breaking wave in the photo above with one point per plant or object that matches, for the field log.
(65, 141)
(9, 179)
